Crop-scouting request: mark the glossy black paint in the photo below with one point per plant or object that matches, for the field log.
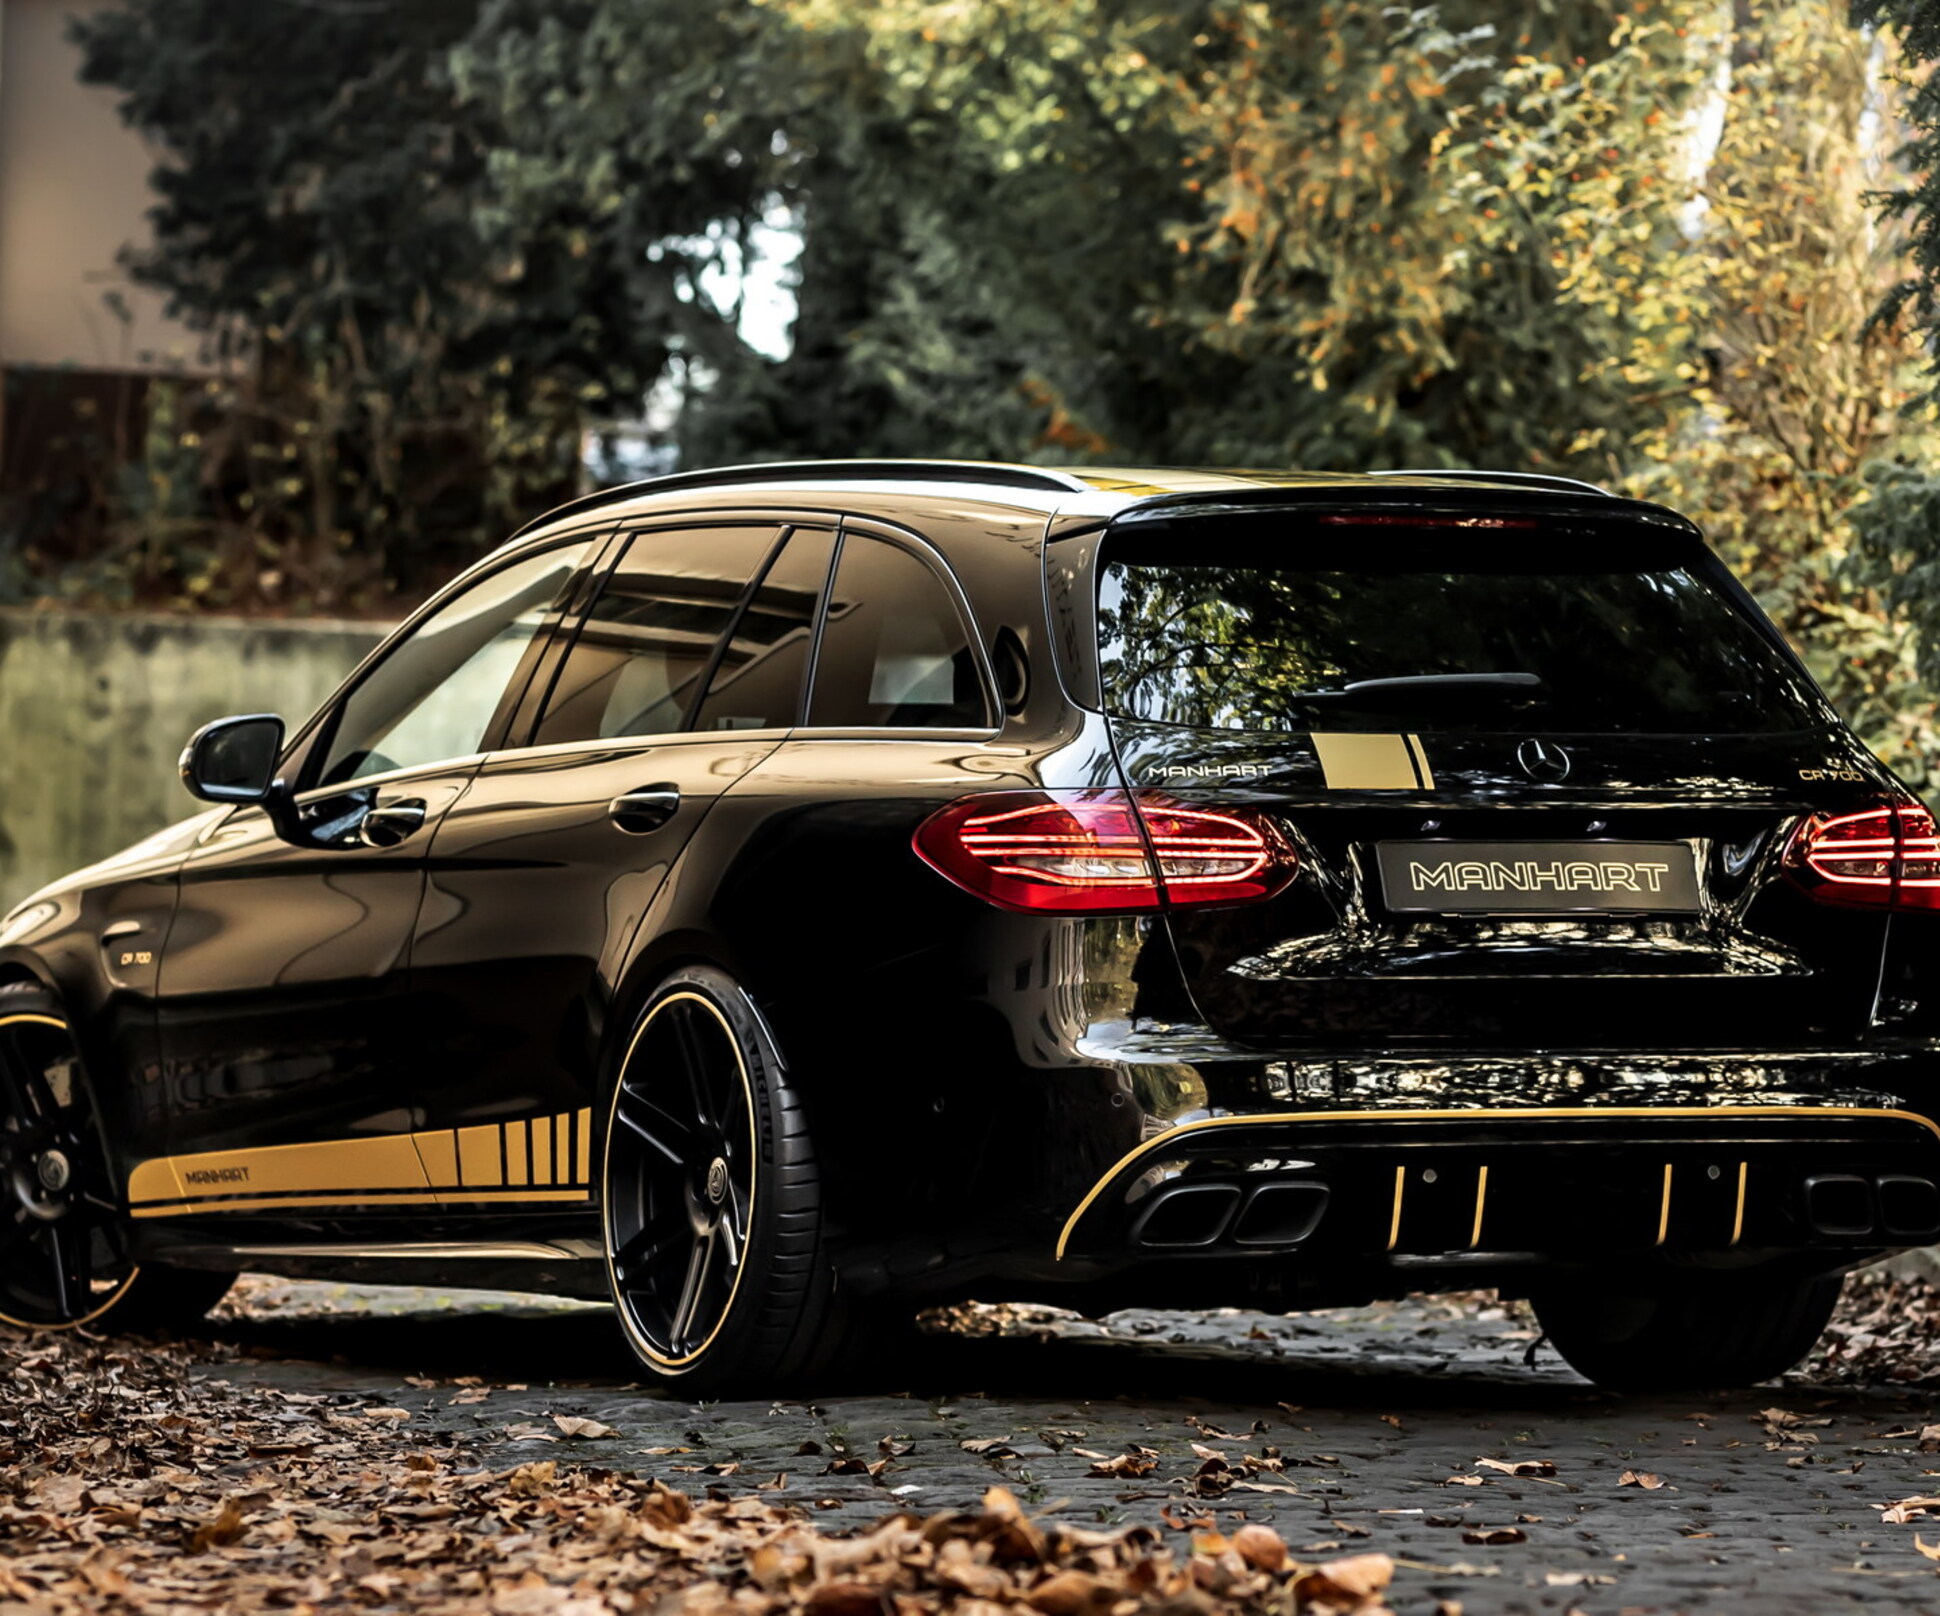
(978, 1078)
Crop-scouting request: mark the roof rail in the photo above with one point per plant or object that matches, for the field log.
(997, 474)
(1531, 479)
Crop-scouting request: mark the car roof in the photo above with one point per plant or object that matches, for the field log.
(1096, 491)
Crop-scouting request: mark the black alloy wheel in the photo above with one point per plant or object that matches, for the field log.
(64, 1245)
(681, 1178)
(711, 1199)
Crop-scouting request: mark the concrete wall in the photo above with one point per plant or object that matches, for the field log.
(73, 191)
(94, 708)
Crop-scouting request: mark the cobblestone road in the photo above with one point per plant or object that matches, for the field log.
(1385, 1428)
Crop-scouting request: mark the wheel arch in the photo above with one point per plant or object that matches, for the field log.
(16, 966)
(650, 963)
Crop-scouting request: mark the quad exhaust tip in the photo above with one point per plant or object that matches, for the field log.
(1895, 1206)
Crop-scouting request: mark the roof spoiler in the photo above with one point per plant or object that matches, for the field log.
(1528, 479)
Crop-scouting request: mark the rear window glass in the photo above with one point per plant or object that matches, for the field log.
(1293, 624)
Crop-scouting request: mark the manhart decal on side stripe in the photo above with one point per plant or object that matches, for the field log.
(540, 1159)
(1373, 763)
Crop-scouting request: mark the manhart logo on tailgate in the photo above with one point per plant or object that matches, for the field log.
(1529, 875)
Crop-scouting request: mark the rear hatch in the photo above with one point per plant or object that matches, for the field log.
(1538, 763)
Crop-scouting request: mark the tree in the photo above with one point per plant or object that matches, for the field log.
(408, 380)
(1804, 392)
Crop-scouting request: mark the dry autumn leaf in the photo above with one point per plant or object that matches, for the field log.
(224, 1529)
(1640, 1478)
(1518, 1467)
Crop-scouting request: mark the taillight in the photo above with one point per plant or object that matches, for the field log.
(1086, 852)
(1883, 858)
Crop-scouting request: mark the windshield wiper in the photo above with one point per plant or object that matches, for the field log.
(1425, 683)
(1428, 684)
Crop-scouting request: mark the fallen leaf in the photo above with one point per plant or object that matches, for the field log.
(1640, 1478)
(1359, 1577)
(989, 1447)
(1518, 1467)
(580, 1428)
(224, 1529)
(1495, 1536)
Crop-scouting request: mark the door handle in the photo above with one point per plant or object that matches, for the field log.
(646, 809)
(386, 824)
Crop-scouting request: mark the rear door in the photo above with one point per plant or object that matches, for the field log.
(1539, 767)
(687, 670)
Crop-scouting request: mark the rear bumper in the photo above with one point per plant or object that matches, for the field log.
(1558, 1182)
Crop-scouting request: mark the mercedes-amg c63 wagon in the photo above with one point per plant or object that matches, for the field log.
(781, 898)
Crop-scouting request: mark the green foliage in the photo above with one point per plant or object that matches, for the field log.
(1284, 232)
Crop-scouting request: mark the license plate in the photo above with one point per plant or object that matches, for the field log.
(1538, 878)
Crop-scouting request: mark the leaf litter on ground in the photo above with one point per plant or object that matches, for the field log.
(135, 1479)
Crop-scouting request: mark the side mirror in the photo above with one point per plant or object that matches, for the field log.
(233, 759)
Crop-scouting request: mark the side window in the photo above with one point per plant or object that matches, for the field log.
(895, 653)
(636, 667)
(434, 695)
(757, 683)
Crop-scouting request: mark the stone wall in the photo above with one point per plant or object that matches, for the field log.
(94, 708)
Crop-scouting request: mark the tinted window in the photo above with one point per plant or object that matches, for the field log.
(433, 696)
(1285, 623)
(895, 653)
(757, 683)
(636, 667)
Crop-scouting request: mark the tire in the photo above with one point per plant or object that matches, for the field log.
(166, 1300)
(711, 1202)
(66, 1248)
(1702, 1331)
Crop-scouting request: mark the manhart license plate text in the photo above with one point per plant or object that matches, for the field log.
(1538, 877)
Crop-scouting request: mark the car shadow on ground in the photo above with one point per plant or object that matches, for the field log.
(1354, 1358)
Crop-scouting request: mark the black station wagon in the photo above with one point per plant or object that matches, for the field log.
(786, 897)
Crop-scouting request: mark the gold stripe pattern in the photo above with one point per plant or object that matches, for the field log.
(1373, 762)
(1481, 1200)
(1738, 1217)
(492, 1163)
(1394, 1223)
(1664, 1211)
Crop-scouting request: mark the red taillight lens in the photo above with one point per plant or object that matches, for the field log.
(1879, 858)
(1086, 852)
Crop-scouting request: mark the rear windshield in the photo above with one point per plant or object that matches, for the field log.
(1302, 623)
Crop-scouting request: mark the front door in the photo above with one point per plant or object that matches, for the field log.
(292, 1057)
(687, 671)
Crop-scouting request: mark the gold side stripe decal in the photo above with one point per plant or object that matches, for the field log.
(1579, 1113)
(1664, 1211)
(553, 1157)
